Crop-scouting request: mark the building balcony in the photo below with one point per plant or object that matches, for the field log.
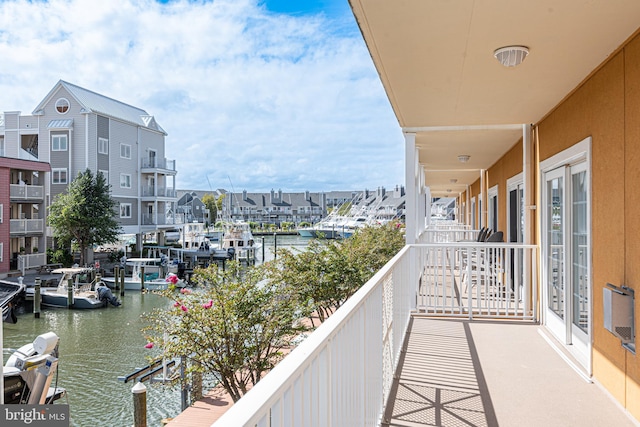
(26, 192)
(158, 192)
(151, 219)
(26, 226)
(154, 164)
(444, 334)
(26, 262)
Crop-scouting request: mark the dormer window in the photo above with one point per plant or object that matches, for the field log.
(62, 105)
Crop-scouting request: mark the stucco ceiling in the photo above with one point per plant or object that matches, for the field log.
(435, 60)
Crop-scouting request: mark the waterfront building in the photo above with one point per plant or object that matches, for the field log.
(74, 129)
(22, 213)
(532, 124)
(276, 207)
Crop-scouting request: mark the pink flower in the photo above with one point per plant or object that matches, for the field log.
(185, 291)
(183, 308)
(208, 304)
(176, 304)
(149, 345)
(172, 278)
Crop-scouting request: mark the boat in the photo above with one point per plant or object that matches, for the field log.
(10, 292)
(154, 279)
(238, 242)
(84, 293)
(30, 370)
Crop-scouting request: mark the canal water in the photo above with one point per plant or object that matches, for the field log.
(97, 346)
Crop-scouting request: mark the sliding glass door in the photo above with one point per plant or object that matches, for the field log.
(566, 258)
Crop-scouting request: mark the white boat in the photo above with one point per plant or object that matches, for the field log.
(154, 279)
(307, 232)
(29, 372)
(84, 293)
(238, 242)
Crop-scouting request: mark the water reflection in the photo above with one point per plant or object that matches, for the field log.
(96, 346)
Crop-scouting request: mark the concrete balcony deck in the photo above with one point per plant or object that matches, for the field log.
(492, 373)
(476, 373)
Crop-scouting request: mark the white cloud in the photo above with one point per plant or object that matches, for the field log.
(270, 101)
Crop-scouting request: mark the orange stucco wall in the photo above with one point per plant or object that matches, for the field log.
(605, 107)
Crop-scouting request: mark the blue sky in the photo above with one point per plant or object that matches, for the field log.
(258, 94)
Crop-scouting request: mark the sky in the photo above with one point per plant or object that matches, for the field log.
(254, 94)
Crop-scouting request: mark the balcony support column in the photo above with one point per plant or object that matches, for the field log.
(411, 182)
(529, 201)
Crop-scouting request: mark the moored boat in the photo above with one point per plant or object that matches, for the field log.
(154, 279)
(84, 293)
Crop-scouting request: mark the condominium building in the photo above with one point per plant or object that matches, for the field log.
(74, 129)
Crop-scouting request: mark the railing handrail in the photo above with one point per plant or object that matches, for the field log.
(514, 245)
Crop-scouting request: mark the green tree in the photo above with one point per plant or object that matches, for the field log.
(85, 214)
(324, 276)
(209, 201)
(219, 202)
(235, 327)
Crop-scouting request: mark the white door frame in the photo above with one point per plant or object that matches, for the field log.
(562, 165)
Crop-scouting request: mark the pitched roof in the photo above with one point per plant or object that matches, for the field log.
(99, 104)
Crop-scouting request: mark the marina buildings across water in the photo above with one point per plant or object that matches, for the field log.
(73, 129)
(277, 207)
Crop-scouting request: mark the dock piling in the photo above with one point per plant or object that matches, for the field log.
(116, 279)
(139, 405)
(36, 298)
(275, 245)
(142, 278)
(70, 293)
(122, 282)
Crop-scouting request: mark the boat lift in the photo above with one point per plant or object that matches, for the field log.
(160, 370)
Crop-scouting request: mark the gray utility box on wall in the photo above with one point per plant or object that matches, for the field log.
(618, 312)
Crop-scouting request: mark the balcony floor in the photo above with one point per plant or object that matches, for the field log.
(461, 373)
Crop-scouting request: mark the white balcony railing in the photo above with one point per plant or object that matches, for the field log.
(151, 219)
(22, 226)
(26, 192)
(342, 373)
(158, 163)
(31, 261)
(161, 192)
(475, 280)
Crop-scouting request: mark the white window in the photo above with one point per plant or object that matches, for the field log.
(58, 142)
(125, 210)
(125, 180)
(1, 250)
(125, 151)
(62, 105)
(103, 146)
(1, 213)
(2, 146)
(59, 176)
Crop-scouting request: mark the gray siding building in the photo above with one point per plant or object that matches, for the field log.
(75, 129)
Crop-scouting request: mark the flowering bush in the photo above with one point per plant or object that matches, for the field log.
(234, 326)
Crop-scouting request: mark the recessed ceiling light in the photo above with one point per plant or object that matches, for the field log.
(511, 56)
